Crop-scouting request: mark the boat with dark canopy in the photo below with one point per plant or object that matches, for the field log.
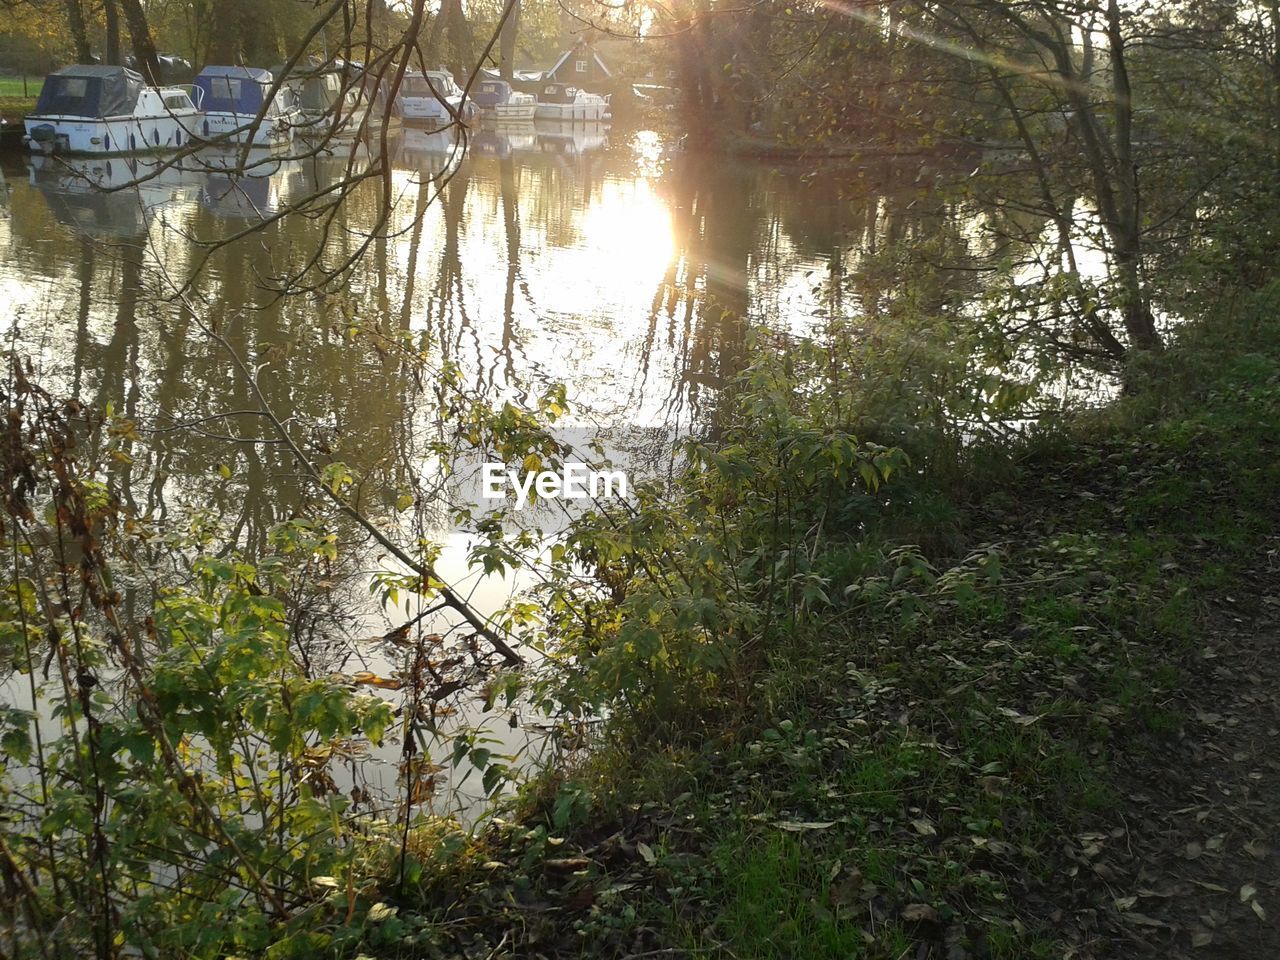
(91, 109)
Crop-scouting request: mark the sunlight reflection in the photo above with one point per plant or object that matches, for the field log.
(626, 237)
(647, 152)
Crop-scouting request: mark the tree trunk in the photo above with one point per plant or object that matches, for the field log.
(144, 48)
(507, 42)
(1108, 156)
(224, 34)
(1126, 235)
(112, 55)
(451, 22)
(461, 42)
(696, 90)
(1273, 94)
(79, 32)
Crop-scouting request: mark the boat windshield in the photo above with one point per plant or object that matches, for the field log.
(231, 94)
(415, 87)
(558, 93)
(436, 85)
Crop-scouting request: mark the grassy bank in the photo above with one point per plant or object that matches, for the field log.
(15, 100)
(939, 754)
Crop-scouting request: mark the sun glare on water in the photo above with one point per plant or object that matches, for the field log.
(626, 239)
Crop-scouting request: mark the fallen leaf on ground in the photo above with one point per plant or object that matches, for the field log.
(1142, 920)
(919, 911)
(568, 864)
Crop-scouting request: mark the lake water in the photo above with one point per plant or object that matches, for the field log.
(600, 259)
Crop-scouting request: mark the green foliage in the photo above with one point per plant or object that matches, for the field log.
(778, 901)
(178, 797)
(683, 583)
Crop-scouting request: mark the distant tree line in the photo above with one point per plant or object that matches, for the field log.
(267, 32)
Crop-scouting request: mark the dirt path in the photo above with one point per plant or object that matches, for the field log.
(1191, 867)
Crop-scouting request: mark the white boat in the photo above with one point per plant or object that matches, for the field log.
(107, 110)
(559, 101)
(231, 99)
(498, 100)
(432, 97)
(328, 109)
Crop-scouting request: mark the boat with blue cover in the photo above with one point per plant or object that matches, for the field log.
(244, 104)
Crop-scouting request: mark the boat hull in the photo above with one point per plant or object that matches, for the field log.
(573, 112)
(314, 125)
(431, 112)
(514, 112)
(234, 128)
(108, 136)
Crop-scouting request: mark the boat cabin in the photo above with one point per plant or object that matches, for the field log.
(433, 83)
(557, 93)
(93, 109)
(93, 92)
(490, 93)
(239, 90)
(316, 85)
(319, 92)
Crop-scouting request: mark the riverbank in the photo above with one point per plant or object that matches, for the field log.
(1046, 730)
(18, 96)
(14, 105)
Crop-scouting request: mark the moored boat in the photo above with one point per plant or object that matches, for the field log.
(560, 101)
(231, 100)
(327, 107)
(89, 109)
(433, 98)
(498, 100)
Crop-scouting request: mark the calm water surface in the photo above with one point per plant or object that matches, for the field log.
(584, 256)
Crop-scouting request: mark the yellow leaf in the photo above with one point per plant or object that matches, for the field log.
(365, 678)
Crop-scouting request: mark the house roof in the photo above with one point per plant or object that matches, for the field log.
(570, 52)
